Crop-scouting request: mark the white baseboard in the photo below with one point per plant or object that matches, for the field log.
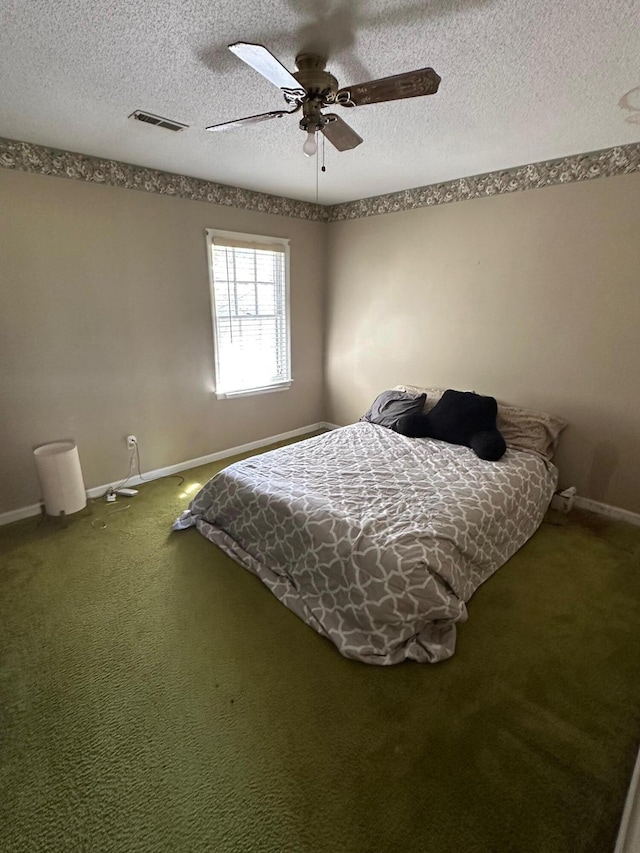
(19, 514)
(97, 491)
(608, 511)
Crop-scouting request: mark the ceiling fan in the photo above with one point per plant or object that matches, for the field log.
(311, 88)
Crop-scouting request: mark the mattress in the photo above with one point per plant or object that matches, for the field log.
(375, 540)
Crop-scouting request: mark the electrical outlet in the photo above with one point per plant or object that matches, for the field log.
(132, 441)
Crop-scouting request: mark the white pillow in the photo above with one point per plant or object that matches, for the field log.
(529, 430)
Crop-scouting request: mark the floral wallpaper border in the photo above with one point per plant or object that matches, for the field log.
(28, 157)
(580, 167)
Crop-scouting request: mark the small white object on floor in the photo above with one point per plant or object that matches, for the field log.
(563, 501)
(129, 493)
(183, 521)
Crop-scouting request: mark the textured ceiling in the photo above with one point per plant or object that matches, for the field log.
(521, 82)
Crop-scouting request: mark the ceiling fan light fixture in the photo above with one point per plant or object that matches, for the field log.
(310, 144)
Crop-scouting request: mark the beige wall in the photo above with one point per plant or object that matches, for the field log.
(105, 329)
(532, 297)
(105, 322)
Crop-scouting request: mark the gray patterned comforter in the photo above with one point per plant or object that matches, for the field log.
(374, 539)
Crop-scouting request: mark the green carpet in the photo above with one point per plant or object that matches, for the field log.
(156, 697)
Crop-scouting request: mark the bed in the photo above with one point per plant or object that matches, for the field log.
(374, 539)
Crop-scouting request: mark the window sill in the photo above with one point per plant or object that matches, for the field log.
(251, 392)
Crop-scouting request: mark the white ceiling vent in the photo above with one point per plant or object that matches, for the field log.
(149, 118)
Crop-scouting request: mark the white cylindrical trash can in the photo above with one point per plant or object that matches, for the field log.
(60, 477)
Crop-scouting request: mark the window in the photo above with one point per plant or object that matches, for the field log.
(250, 303)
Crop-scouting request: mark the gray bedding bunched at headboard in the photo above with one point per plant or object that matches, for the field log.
(376, 540)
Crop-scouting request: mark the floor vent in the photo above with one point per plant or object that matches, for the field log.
(149, 118)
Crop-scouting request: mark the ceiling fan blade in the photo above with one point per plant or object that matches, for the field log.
(339, 133)
(411, 84)
(239, 122)
(265, 63)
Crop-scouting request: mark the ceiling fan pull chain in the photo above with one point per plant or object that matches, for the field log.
(317, 188)
(324, 168)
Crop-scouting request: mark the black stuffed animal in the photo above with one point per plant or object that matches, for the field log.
(460, 417)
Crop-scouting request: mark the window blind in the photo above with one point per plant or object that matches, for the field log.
(250, 314)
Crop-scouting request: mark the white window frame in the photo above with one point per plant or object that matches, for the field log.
(211, 234)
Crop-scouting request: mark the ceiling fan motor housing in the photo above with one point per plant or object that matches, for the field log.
(320, 86)
(318, 83)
